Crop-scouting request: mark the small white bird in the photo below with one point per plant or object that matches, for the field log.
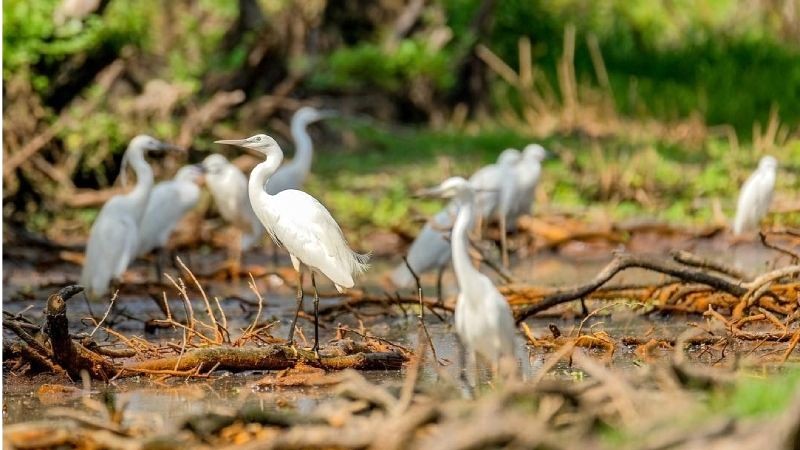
(483, 318)
(430, 250)
(527, 173)
(228, 187)
(303, 226)
(756, 196)
(114, 237)
(293, 174)
(169, 201)
(496, 186)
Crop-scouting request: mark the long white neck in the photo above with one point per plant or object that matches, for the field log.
(303, 150)
(144, 181)
(259, 177)
(466, 274)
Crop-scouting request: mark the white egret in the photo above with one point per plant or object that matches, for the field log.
(527, 172)
(755, 196)
(483, 318)
(114, 237)
(430, 250)
(228, 187)
(169, 201)
(303, 226)
(293, 174)
(496, 185)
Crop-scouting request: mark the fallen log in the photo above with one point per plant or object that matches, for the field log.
(270, 357)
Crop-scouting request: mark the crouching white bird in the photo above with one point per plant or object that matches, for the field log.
(430, 250)
(303, 226)
(756, 196)
(169, 201)
(483, 318)
(114, 237)
(496, 185)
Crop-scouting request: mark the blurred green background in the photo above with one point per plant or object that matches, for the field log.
(655, 108)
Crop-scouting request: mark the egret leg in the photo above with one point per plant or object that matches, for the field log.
(439, 293)
(159, 264)
(173, 259)
(316, 314)
(503, 241)
(299, 305)
(462, 362)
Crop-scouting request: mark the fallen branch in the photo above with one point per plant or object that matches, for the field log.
(623, 261)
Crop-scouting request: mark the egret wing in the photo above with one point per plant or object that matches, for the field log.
(111, 247)
(308, 231)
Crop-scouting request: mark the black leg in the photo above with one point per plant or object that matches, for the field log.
(299, 305)
(439, 293)
(173, 259)
(316, 314)
(159, 266)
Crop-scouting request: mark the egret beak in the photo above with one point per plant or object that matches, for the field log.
(167, 147)
(487, 190)
(328, 113)
(236, 142)
(435, 192)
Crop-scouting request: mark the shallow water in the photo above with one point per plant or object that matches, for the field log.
(164, 405)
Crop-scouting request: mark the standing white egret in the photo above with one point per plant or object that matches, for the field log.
(430, 250)
(527, 171)
(303, 226)
(756, 196)
(169, 201)
(114, 238)
(293, 174)
(228, 187)
(496, 184)
(483, 318)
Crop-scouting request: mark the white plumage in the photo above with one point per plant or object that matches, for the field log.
(228, 187)
(430, 249)
(302, 225)
(755, 196)
(169, 201)
(114, 237)
(483, 318)
(496, 185)
(527, 172)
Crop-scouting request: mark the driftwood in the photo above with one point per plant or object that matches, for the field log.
(58, 351)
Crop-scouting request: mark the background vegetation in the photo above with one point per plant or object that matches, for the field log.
(654, 107)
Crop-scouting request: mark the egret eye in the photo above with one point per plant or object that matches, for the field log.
(258, 138)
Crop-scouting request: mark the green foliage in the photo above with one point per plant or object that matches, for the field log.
(30, 35)
(757, 396)
(668, 59)
(368, 65)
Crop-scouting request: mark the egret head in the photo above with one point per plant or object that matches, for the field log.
(214, 164)
(535, 152)
(509, 157)
(309, 114)
(450, 188)
(768, 162)
(192, 173)
(261, 143)
(147, 144)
